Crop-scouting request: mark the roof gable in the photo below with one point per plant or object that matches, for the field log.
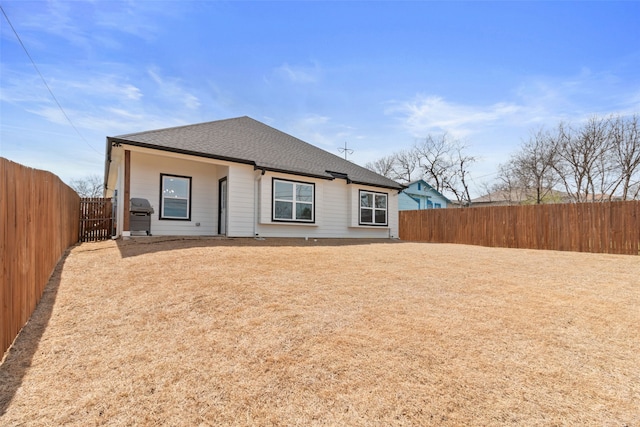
(245, 140)
(412, 188)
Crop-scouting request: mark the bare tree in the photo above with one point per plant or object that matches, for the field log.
(458, 182)
(445, 164)
(89, 186)
(634, 191)
(383, 166)
(435, 159)
(509, 187)
(626, 155)
(583, 164)
(595, 161)
(440, 160)
(606, 174)
(531, 170)
(405, 165)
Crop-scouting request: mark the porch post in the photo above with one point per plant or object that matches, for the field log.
(127, 192)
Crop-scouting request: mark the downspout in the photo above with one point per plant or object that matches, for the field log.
(256, 200)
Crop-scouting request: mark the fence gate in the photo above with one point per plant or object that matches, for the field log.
(96, 219)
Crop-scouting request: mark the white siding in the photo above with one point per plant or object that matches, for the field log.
(145, 183)
(240, 211)
(394, 218)
(391, 230)
(268, 228)
(336, 211)
(249, 199)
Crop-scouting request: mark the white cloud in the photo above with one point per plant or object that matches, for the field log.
(20, 87)
(313, 120)
(536, 101)
(51, 114)
(97, 103)
(107, 86)
(88, 24)
(23, 87)
(109, 99)
(493, 130)
(322, 131)
(633, 103)
(299, 74)
(427, 114)
(112, 17)
(312, 128)
(172, 89)
(191, 101)
(577, 97)
(108, 121)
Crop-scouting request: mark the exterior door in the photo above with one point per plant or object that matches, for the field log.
(222, 206)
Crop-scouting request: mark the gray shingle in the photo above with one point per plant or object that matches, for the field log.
(246, 140)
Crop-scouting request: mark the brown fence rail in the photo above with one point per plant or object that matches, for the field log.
(38, 222)
(581, 227)
(96, 219)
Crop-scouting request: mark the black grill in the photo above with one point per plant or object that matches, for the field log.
(140, 211)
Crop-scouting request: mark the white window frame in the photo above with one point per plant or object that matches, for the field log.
(294, 202)
(164, 176)
(373, 208)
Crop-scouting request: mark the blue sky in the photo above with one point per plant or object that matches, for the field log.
(377, 75)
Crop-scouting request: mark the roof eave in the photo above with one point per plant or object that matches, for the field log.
(290, 172)
(399, 187)
(112, 140)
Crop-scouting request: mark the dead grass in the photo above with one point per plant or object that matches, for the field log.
(282, 332)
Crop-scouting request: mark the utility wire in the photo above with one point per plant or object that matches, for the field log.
(45, 82)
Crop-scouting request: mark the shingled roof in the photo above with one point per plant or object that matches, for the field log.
(248, 141)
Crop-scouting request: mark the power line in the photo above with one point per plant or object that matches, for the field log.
(45, 82)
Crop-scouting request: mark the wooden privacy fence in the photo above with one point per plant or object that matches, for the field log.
(38, 222)
(581, 227)
(96, 219)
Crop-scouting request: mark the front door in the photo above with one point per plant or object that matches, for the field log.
(222, 206)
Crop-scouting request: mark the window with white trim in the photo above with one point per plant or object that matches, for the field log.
(175, 197)
(293, 201)
(373, 208)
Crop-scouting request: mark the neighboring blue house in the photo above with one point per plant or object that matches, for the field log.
(420, 195)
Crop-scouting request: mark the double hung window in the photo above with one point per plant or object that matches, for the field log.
(293, 201)
(373, 208)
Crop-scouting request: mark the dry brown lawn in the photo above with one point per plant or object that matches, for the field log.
(188, 332)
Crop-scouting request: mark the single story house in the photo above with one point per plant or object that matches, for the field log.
(242, 178)
(420, 195)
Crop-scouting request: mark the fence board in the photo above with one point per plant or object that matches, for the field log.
(612, 227)
(38, 222)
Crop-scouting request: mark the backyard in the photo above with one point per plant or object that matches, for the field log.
(206, 331)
